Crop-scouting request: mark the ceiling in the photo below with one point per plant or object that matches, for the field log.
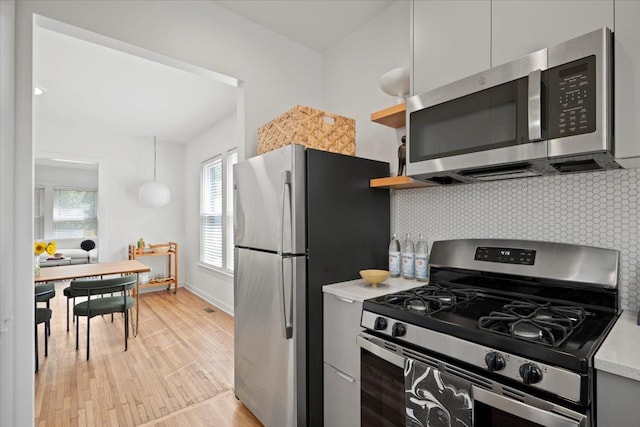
(317, 24)
(119, 93)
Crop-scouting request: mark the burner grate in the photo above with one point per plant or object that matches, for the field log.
(428, 299)
(541, 323)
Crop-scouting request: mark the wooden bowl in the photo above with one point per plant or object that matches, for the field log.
(374, 277)
(159, 248)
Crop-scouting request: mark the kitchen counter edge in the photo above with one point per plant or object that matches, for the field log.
(359, 290)
(619, 352)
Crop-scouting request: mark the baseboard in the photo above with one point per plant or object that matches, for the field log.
(210, 299)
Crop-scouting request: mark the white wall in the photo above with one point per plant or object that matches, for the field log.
(276, 74)
(7, 230)
(61, 176)
(125, 163)
(211, 285)
(350, 74)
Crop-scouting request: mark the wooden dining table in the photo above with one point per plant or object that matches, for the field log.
(78, 271)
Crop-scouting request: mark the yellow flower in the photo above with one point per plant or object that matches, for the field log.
(51, 248)
(39, 247)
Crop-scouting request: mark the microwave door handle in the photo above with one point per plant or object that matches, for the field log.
(535, 105)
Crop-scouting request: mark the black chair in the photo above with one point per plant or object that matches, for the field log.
(46, 291)
(43, 315)
(88, 245)
(105, 305)
(67, 293)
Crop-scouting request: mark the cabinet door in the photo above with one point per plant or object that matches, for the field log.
(617, 400)
(341, 398)
(450, 40)
(341, 325)
(520, 27)
(627, 82)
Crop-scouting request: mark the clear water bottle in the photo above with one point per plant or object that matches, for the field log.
(422, 259)
(394, 256)
(408, 256)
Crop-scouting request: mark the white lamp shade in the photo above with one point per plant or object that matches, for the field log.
(154, 194)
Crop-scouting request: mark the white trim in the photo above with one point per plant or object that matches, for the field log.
(210, 299)
(225, 273)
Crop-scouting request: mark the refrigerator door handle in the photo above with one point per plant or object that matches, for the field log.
(286, 314)
(286, 189)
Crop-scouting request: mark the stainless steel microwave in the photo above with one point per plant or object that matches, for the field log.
(548, 112)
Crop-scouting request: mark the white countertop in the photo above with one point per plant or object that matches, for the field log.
(619, 354)
(359, 290)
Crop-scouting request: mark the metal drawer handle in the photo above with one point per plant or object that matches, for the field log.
(345, 376)
(347, 300)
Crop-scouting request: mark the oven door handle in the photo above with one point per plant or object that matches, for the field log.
(527, 412)
(386, 355)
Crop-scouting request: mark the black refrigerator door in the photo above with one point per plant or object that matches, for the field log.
(348, 227)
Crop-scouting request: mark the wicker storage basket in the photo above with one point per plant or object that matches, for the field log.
(311, 128)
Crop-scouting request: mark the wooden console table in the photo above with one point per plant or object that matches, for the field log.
(172, 266)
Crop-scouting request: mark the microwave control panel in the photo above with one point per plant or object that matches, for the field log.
(572, 98)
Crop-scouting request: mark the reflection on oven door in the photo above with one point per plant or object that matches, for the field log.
(435, 398)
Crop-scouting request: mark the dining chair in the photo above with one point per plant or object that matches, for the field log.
(92, 306)
(46, 291)
(42, 315)
(67, 293)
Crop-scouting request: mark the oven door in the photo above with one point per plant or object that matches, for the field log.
(383, 392)
(488, 119)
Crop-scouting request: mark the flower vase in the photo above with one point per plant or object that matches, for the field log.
(36, 265)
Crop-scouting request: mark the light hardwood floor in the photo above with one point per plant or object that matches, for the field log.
(177, 371)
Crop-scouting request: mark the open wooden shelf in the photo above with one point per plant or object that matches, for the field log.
(394, 117)
(398, 183)
(172, 266)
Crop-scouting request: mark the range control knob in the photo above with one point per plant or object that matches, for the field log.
(530, 373)
(398, 330)
(380, 324)
(494, 361)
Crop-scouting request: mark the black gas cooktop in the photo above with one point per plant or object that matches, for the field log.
(565, 333)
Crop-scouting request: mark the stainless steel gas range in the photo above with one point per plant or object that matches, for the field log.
(504, 334)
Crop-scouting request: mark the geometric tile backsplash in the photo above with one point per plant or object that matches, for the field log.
(596, 209)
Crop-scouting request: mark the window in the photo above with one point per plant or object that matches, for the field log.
(38, 213)
(74, 213)
(216, 212)
(232, 159)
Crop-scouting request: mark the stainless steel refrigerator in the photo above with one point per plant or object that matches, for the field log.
(303, 218)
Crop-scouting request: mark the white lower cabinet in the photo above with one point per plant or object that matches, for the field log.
(341, 325)
(617, 400)
(341, 361)
(341, 398)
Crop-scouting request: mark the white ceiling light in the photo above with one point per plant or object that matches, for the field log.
(38, 91)
(153, 193)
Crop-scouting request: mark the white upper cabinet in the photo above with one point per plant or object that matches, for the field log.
(627, 83)
(451, 40)
(520, 27)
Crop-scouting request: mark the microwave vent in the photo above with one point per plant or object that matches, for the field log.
(444, 180)
(577, 166)
(501, 172)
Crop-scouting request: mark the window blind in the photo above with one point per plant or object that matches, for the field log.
(38, 213)
(232, 159)
(211, 214)
(74, 213)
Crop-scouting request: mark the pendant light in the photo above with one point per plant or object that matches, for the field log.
(153, 193)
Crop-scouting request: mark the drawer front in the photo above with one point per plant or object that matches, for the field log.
(341, 325)
(341, 398)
